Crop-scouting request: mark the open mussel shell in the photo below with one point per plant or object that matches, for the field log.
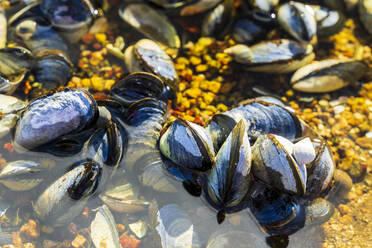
(124, 199)
(328, 75)
(320, 171)
(273, 163)
(229, 180)
(277, 213)
(53, 116)
(64, 199)
(9, 106)
(71, 18)
(298, 20)
(275, 56)
(187, 145)
(103, 231)
(152, 24)
(15, 62)
(136, 86)
(365, 14)
(175, 228)
(22, 175)
(329, 22)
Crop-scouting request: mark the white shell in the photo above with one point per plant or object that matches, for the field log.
(103, 229)
(304, 151)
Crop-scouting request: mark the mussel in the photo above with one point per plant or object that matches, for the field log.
(9, 108)
(365, 14)
(72, 18)
(229, 180)
(298, 20)
(275, 211)
(22, 175)
(55, 115)
(146, 55)
(274, 164)
(69, 192)
(260, 118)
(187, 145)
(329, 22)
(275, 56)
(153, 24)
(328, 75)
(14, 64)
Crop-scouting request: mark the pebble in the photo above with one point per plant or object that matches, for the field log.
(193, 92)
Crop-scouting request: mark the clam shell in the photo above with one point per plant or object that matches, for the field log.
(327, 75)
(103, 229)
(274, 165)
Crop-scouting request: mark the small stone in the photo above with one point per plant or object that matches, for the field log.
(208, 97)
(78, 241)
(195, 60)
(98, 83)
(31, 229)
(214, 86)
(139, 228)
(86, 82)
(182, 86)
(323, 103)
(222, 107)
(101, 38)
(193, 92)
(344, 209)
(88, 38)
(201, 68)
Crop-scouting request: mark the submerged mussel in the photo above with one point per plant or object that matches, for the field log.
(70, 191)
(229, 180)
(275, 211)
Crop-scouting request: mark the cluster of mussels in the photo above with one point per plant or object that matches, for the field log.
(283, 171)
